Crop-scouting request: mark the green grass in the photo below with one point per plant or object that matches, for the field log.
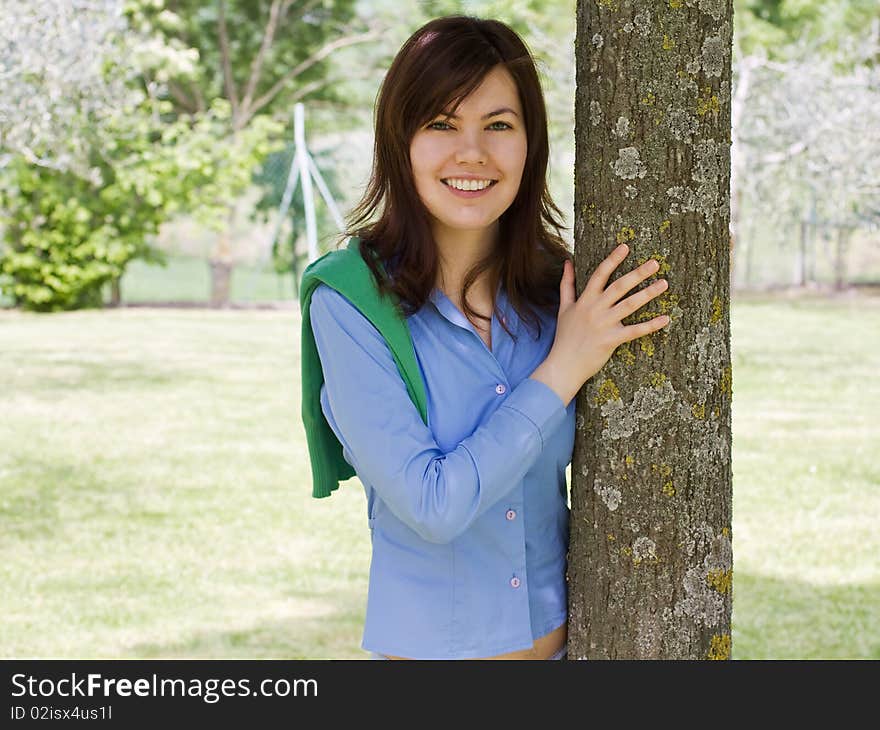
(155, 492)
(188, 279)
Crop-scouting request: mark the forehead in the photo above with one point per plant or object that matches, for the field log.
(496, 89)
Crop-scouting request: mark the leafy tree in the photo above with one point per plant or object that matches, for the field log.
(775, 26)
(68, 235)
(258, 56)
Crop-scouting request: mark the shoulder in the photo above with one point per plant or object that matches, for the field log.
(330, 310)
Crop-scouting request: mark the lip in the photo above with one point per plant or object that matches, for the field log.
(469, 193)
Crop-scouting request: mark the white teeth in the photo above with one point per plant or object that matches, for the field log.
(468, 184)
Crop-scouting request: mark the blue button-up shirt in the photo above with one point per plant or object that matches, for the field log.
(468, 514)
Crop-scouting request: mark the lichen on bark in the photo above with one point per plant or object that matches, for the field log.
(650, 559)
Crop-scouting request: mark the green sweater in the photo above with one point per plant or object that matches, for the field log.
(348, 273)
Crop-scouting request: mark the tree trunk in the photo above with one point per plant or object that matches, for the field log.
(115, 293)
(221, 280)
(650, 560)
(843, 234)
(222, 263)
(800, 264)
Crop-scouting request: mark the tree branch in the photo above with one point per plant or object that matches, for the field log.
(227, 63)
(319, 55)
(257, 64)
(181, 98)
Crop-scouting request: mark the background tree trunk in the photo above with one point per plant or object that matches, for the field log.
(222, 264)
(650, 561)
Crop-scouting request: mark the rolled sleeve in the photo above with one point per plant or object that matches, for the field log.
(437, 494)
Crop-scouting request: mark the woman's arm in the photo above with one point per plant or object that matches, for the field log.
(436, 494)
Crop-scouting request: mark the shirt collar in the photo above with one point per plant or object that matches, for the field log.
(445, 306)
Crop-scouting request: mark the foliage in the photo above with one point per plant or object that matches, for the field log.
(775, 26)
(68, 235)
(261, 56)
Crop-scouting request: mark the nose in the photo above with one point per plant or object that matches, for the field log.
(470, 149)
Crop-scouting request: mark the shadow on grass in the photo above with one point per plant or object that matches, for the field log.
(789, 619)
(773, 619)
(336, 634)
(90, 375)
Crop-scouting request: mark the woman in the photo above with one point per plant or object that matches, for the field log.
(467, 511)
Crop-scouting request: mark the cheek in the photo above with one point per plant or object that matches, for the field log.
(424, 156)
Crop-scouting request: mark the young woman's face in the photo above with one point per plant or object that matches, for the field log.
(472, 145)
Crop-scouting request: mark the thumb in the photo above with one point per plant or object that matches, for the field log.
(566, 286)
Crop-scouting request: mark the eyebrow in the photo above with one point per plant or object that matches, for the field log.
(502, 110)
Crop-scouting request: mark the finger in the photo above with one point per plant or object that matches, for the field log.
(599, 280)
(566, 286)
(634, 331)
(629, 305)
(626, 282)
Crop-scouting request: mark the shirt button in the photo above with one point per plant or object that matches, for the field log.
(511, 514)
(514, 582)
(500, 389)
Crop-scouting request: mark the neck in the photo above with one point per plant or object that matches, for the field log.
(457, 253)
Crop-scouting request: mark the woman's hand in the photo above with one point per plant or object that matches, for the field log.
(589, 328)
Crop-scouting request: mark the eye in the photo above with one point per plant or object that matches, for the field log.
(505, 126)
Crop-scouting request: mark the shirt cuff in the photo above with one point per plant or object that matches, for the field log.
(540, 404)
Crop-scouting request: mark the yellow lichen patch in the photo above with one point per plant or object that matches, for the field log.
(727, 380)
(647, 346)
(610, 4)
(626, 550)
(611, 537)
(625, 234)
(708, 102)
(657, 379)
(664, 226)
(720, 647)
(629, 460)
(667, 302)
(660, 259)
(676, 4)
(626, 355)
(668, 43)
(591, 214)
(725, 531)
(607, 391)
(716, 411)
(720, 580)
(665, 472)
(648, 100)
(698, 410)
(715, 317)
(643, 316)
(681, 73)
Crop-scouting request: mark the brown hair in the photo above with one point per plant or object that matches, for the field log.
(438, 66)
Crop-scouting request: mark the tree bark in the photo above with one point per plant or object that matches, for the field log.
(222, 263)
(650, 560)
(115, 293)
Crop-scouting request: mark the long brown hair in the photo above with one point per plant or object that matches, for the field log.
(438, 66)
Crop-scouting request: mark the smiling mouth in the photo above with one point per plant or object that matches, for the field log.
(467, 190)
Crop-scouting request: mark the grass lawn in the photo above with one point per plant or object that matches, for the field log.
(155, 497)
